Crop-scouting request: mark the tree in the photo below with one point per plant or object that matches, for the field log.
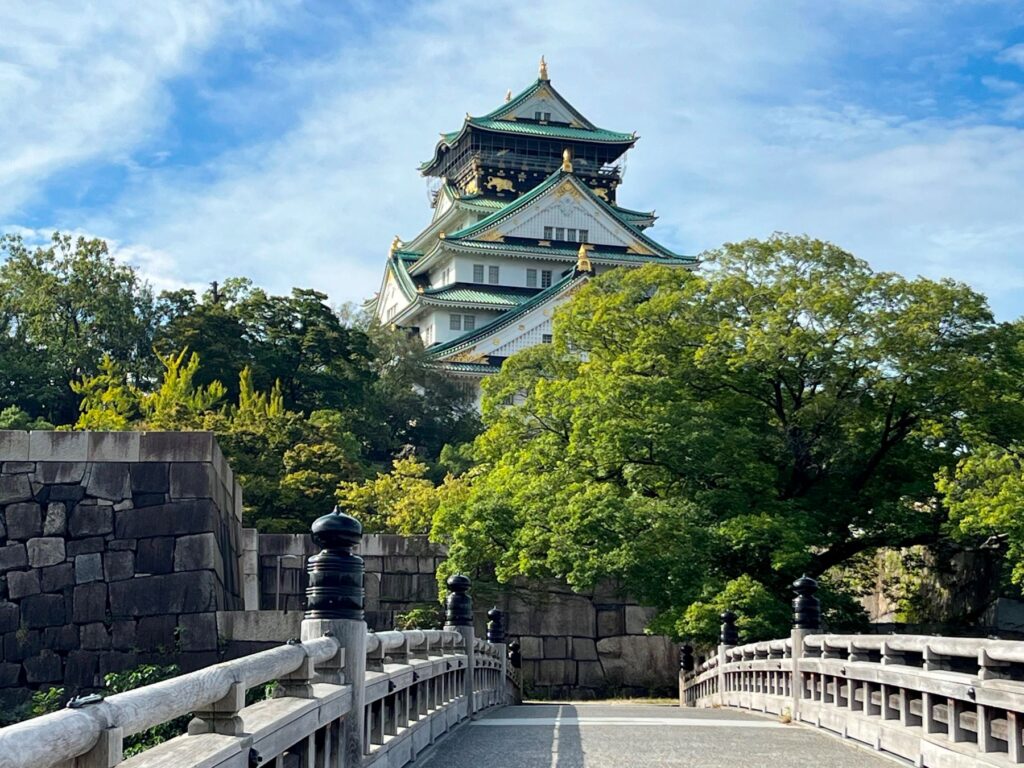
(403, 500)
(62, 308)
(699, 435)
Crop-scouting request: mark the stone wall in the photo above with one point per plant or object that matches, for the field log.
(116, 548)
(573, 645)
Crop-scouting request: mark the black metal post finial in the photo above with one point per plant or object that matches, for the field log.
(335, 588)
(806, 606)
(459, 603)
(729, 635)
(496, 625)
(686, 661)
(515, 657)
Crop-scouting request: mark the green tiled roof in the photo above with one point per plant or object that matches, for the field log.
(505, 297)
(552, 131)
(481, 368)
(570, 253)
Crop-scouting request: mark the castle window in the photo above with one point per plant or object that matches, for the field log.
(545, 278)
(492, 275)
(584, 235)
(549, 233)
(546, 338)
(531, 278)
(571, 235)
(478, 273)
(455, 322)
(468, 322)
(559, 233)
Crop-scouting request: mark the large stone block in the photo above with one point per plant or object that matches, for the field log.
(645, 661)
(90, 520)
(610, 622)
(38, 611)
(151, 477)
(88, 568)
(556, 672)
(9, 617)
(56, 577)
(13, 445)
(167, 519)
(58, 446)
(61, 638)
(9, 675)
(90, 603)
(85, 546)
(22, 584)
(13, 556)
(24, 521)
(72, 493)
(185, 592)
(555, 648)
(531, 647)
(584, 649)
(397, 587)
(196, 553)
(123, 634)
(18, 467)
(14, 488)
(590, 674)
(549, 613)
(59, 472)
(114, 446)
(198, 632)
(176, 446)
(95, 637)
(637, 619)
(108, 480)
(81, 669)
(44, 668)
(118, 566)
(193, 480)
(21, 645)
(55, 522)
(155, 556)
(156, 633)
(44, 552)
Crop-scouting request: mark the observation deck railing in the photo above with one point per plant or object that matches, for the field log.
(935, 701)
(344, 696)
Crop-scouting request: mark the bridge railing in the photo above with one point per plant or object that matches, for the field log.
(936, 701)
(344, 696)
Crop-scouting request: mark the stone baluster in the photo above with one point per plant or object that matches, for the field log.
(496, 637)
(334, 601)
(806, 621)
(728, 638)
(686, 666)
(459, 618)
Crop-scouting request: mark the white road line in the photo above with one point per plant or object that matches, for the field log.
(559, 721)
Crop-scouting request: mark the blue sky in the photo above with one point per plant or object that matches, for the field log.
(280, 140)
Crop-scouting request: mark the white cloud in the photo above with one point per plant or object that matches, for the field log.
(1012, 55)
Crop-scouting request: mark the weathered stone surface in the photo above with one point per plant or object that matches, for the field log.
(3, 529)
(639, 661)
(14, 488)
(151, 477)
(590, 674)
(123, 634)
(13, 556)
(44, 668)
(44, 552)
(88, 568)
(113, 661)
(141, 500)
(61, 638)
(397, 586)
(610, 622)
(196, 552)
(90, 521)
(22, 644)
(584, 649)
(59, 472)
(56, 577)
(9, 675)
(637, 619)
(58, 446)
(95, 637)
(167, 519)
(155, 555)
(121, 545)
(156, 633)
(55, 523)
(531, 647)
(187, 592)
(18, 467)
(198, 631)
(257, 626)
(556, 672)
(192, 480)
(176, 446)
(80, 670)
(9, 617)
(108, 480)
(114, 446)
(90, 603)
(24, 521)
(70, 493)
(13, 445)
(38, 611)
(85, 546)
(555, 648)
(22, 584)
(118, 566)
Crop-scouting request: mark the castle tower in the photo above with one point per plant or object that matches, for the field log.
(525, 211)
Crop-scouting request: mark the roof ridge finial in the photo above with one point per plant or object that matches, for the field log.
(582, 260)
(567, 160)
(508, 95)
(543, 69)
(396, 243)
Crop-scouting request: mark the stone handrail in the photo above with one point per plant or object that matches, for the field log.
(344, 696)
(935, 701)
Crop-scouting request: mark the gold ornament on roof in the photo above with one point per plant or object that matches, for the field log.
(508, 95)
(582, 260)
(441, 235)
(395, 243)
(567, 160)
(543, 69)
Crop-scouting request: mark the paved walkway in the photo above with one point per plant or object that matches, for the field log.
(625, 735)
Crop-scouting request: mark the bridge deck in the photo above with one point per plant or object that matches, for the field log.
(596, 735)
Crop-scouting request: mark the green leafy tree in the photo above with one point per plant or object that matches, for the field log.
(403, 500)
(706, 437)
